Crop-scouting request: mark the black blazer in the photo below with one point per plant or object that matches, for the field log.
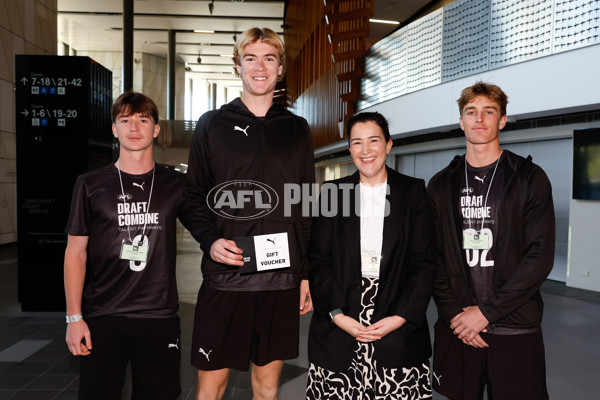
(405, 279)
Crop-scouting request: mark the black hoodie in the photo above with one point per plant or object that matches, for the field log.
(232, 144)
(524, 245)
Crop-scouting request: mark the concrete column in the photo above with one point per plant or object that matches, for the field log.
(127, 82)
(213, 96)
(171, 76)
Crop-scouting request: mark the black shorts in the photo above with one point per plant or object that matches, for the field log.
(232, 329)
(153, 346)
(512, 367)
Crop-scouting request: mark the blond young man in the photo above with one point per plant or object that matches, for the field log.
(244, 319)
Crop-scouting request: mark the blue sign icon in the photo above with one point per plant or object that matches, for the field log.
(44, 121)
(44, 90)
(52, 90)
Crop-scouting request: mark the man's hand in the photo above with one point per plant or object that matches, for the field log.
(468, 324)
(477, 342)
(226, 252)
(306, 304)
(380, 328)
(78, 338)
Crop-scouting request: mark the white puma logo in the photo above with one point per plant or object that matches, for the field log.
(142, 185)
(272, 241)
(176, 345)
(205, 353)
(237, 128)
(480, 179)
(437, 378)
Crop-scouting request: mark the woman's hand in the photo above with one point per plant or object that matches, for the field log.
(348, 324)
(380, 328)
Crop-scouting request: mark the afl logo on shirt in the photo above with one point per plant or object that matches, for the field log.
(125, 197)
(242, 200)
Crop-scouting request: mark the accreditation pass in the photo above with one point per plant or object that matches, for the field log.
(134, 251)
(476, 241)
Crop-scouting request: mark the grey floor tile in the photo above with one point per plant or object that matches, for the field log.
(294, 388)
(22, 349)
(188, 378)
(290, 372)
(74, 385)
(52, 382)
(35, 395)
(188, 395)
(65, 367)
(66, 395)
(30, 367)
(5, 366)
(49, 355)
(15, 381)
(6, 394)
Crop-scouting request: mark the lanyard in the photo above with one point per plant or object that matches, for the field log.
(488, 189)
(149, 198)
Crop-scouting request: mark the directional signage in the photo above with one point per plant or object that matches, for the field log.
(63, 130)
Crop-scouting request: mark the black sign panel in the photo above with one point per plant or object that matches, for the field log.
(63, 130)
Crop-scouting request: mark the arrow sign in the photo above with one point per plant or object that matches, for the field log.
(24, 81)
(24, 113)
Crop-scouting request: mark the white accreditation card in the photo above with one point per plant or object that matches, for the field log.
(370, 262)
(476, 241)
(134, 251)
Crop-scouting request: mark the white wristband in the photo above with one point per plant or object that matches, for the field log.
(74, 318)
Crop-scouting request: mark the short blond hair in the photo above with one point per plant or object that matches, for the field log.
(253, 35)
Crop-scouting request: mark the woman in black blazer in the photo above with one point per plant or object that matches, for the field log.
(372, 258)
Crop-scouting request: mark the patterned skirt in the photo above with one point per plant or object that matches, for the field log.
(365, 379)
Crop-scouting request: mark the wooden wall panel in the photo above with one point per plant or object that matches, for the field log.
(318, 89)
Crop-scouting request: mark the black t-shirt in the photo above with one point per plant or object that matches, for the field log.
(479, 204)
(100, 211)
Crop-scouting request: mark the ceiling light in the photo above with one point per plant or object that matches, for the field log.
(384, 21)
(203, 31)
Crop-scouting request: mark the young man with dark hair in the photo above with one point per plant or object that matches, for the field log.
(494, 219)
(240, 154)
(120, 282)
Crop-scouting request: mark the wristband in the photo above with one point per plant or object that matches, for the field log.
(74, 318)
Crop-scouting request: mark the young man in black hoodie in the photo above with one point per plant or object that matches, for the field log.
(494, 218)
(241, 159)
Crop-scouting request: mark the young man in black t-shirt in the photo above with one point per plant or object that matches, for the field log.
(494, 218)
(120, 281)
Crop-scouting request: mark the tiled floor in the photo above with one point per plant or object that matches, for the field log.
(35, 363)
